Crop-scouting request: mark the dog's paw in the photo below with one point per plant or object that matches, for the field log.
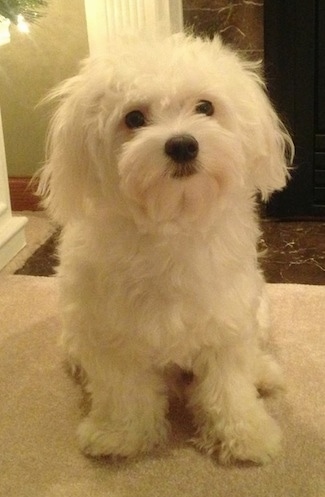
(103, 439)
(257, 441)
(269, 377)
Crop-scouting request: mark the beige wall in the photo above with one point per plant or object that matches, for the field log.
(29, 67)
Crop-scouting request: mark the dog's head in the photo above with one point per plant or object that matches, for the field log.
(163, 131)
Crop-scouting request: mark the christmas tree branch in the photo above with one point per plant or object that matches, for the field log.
(30, 9)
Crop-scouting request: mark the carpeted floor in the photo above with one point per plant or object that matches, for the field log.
(40, 409)
(40, 403)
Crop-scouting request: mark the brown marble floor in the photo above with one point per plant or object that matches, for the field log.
(293, 252)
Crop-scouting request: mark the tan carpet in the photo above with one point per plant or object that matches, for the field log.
(39, 411)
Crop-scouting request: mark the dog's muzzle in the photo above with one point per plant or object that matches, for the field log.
(182, 149)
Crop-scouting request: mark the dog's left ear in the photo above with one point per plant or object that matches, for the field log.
(268, 145)
(69, 182)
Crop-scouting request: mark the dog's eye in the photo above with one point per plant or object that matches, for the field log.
(205, 107)
(135, 119)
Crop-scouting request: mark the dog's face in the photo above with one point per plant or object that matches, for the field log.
(165, 131)
(177, 155)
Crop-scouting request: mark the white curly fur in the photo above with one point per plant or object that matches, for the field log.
(158, 270)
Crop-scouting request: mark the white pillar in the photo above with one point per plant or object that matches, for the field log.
(12, 234)
(106, 18)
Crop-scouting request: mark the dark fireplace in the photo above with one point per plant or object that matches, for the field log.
(294, 54)
(294, 34)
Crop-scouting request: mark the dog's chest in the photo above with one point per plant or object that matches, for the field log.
(163, 286)
(171, 271)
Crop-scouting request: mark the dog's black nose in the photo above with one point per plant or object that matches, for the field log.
(182, 148)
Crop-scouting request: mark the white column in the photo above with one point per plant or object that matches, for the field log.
(106, 18)
(12, 235)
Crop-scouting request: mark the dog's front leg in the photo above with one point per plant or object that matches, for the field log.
(128, 410)
(230, 417)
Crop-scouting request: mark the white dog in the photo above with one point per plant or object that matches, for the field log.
(156, 153)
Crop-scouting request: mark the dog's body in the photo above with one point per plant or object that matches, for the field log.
(156, 154)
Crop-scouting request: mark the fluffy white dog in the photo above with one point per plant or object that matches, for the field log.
(156, 153)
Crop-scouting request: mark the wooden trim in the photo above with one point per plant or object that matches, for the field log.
(22, 194)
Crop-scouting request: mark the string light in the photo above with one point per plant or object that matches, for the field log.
(4, 30)
(22, 24)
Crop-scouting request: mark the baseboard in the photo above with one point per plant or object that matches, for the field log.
(12, 238)
(22, 194)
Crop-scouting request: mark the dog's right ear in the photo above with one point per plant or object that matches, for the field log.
(68, 183)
